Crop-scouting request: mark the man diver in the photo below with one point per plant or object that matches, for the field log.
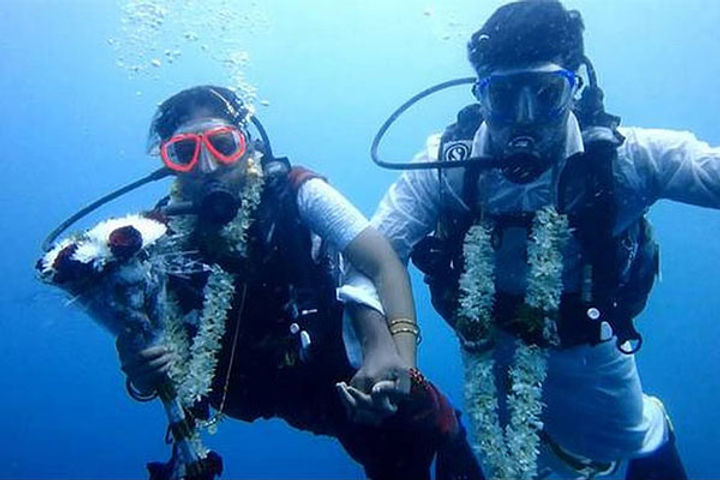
(282, 354)
(539, 137)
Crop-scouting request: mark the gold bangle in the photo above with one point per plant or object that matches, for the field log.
(397, 328)
(399, 321)
(414, 331)
(396, 325)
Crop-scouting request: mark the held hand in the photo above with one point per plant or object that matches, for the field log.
(376, 389)
(147, 368)
(382, 365)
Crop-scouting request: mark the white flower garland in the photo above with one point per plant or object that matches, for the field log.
(511, 453)
(477, 283)
(235, 233)
(545, 249)
(201, 357)
(177, 339)
(195, 366)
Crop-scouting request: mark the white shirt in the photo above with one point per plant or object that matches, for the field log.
(328, 214)
(595, 405)
(652, 164)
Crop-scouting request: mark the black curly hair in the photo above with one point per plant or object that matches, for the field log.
(528, 31)
(220, 102)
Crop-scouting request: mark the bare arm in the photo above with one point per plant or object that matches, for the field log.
(371, 254)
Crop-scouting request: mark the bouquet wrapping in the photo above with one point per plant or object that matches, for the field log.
(117, 271)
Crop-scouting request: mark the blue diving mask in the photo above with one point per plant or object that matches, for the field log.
(526, 96)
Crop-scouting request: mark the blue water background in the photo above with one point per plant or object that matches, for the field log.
(73, 127)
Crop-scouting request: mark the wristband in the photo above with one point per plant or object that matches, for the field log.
(138, 396)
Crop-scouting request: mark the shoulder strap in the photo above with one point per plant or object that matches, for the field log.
(588, 182)
(456, 144)
(279, 230)
(456, 140)
(289, 239)
(587, 187)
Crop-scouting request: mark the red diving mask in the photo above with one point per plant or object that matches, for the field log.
(181, 152)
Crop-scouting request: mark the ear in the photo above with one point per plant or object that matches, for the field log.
(476, 90)
(476, 94)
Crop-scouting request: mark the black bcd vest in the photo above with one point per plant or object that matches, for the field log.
(619, 269)
(284, 282)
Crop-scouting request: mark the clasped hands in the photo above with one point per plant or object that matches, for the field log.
(376, 390)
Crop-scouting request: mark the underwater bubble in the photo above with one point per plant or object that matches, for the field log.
(447, 23)
(216, 31)
(191, 36)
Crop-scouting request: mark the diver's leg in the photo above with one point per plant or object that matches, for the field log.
(390, 451)
(595, 407)
(664, 462)
(456, 459)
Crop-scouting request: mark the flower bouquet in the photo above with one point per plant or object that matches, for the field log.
(118, 272)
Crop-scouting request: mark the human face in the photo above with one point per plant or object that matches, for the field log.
(526, 111)
(203, 151)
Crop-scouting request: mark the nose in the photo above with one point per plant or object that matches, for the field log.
(526, 107)
(206, 162)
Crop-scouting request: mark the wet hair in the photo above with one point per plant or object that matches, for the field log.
(219, 102)
(525, 32)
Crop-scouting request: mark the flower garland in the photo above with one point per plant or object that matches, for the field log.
(177, 339)
(195, 368)
(477, 284)
(511, 452)
(549, 234)
(235, 233)
(195, 364)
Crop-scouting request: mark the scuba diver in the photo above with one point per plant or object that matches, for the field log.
(279, 229)
(545, 220)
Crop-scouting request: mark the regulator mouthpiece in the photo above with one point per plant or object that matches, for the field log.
(521, 160)
(219, 205)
